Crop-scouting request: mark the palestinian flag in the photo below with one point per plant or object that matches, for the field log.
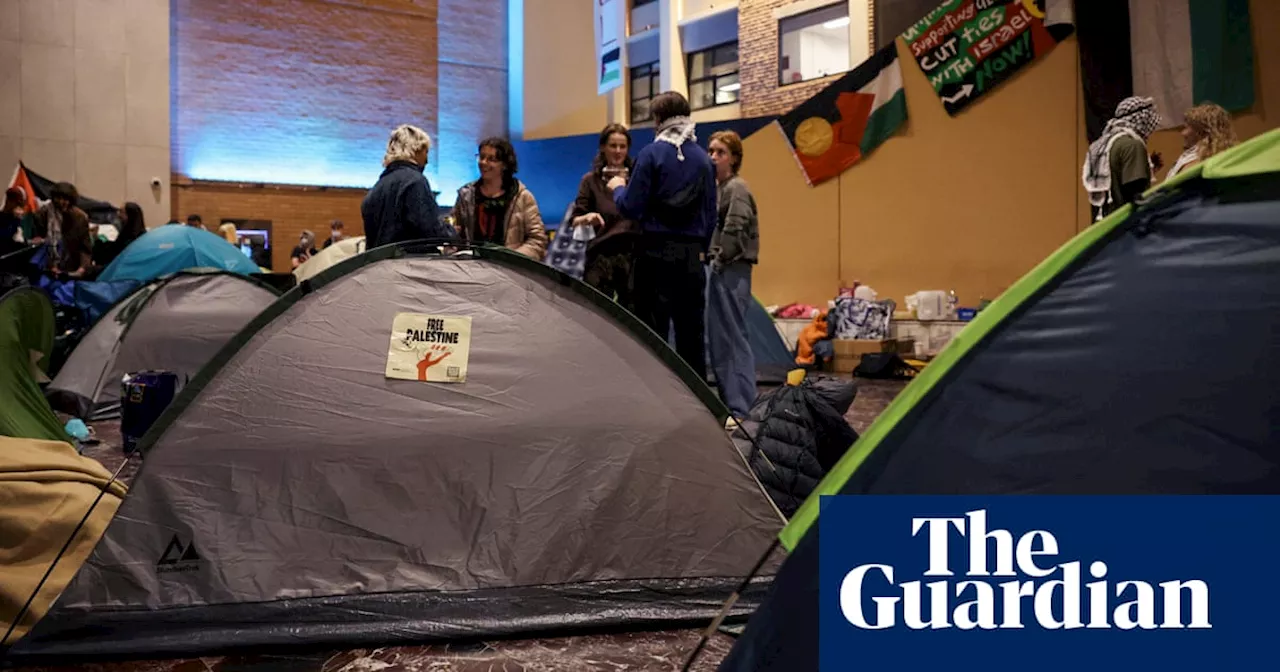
(22, 180)
(38, 188)
(1180, 52)
(847, 120)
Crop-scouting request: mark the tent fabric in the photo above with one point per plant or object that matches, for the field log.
(293, 494)
(172, 248)
(174, 324)
(1256, 157)
(45, 490)
(773, 359)
(328, 257)
(1138, 359)
(26, 341)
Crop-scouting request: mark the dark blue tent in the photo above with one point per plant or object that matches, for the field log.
(1141, 358)
(773, 360)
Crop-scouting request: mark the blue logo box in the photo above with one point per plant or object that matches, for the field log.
(1048, 583)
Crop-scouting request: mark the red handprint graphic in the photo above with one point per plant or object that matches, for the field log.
(427, 362)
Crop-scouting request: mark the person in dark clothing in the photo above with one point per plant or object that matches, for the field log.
(401, 207)
(11, 219)
(304, 250)
(64, 229)
(1117, 169)
(336, 232)
(131, 226)
(611, 251)
(671, 192)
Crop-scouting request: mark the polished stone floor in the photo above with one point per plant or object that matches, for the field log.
(604, 653)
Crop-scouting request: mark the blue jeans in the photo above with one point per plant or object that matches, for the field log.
(728, 295)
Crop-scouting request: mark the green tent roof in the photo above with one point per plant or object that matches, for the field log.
(26, 340)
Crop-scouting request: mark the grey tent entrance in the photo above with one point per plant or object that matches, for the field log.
(293, 493)
(1141, 358)
(177, 323)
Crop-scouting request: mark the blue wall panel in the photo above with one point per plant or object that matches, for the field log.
(552, 168)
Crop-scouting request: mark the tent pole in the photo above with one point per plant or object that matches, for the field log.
(724, 610)
(4, 642)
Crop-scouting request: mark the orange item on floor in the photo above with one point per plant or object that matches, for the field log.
(813, 332)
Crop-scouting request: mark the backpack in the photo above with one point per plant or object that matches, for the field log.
(884, 366)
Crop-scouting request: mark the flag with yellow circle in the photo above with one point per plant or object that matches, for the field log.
(849, 118)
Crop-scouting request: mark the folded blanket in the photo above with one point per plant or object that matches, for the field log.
(45, 490)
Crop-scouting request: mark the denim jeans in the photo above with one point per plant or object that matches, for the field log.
(728, 296)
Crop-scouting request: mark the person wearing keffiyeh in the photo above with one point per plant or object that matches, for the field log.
(671, 192)
(1117, 169)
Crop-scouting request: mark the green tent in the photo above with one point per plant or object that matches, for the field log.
(26, 339)
(1140, 358)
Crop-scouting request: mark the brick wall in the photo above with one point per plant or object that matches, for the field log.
(305, 92)
(289, 208)
(761, 95)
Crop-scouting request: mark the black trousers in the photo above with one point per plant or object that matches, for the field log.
(609, 269)
(670, 292)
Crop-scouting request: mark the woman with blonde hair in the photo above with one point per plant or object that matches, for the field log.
(401, 206)
(228, 232)
(1207, 131)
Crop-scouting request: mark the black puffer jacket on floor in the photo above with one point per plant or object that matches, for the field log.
(800, 433)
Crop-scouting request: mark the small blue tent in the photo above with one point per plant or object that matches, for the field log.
(173, 248)
(773, 359)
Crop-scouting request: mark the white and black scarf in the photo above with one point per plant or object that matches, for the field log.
(676, 131)
(1136, 117)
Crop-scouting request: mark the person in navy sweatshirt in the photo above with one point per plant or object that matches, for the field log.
(672, 194)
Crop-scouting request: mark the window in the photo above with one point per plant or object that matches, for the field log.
(814, 44)
(713, 76)
(644, 86)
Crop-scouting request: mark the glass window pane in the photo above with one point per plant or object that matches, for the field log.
(814, 44)
(698, 65)
(725, 68)
(640, 88)
(640, 110)
(702, 94)
(727, 89)
(726, 54)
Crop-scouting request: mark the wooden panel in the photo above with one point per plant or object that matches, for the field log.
(559, 68)
(799, 225)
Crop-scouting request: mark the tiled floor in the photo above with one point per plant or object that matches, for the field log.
(614, 652)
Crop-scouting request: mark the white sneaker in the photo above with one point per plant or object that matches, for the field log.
(730, 424)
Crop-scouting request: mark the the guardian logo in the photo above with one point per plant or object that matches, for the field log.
(1022, 584)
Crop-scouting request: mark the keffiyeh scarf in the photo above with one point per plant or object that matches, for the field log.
(676, 131)
(1135, 116)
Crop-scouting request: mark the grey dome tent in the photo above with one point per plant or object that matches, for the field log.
(577, 476)
(1143, 357)
(177, 323)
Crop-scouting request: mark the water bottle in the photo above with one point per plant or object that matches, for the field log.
(953, 303)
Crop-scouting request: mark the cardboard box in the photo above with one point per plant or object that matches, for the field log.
(857, 349)
(844, 364)
(849, 353)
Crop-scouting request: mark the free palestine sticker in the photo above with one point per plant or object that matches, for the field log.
(429, 348)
